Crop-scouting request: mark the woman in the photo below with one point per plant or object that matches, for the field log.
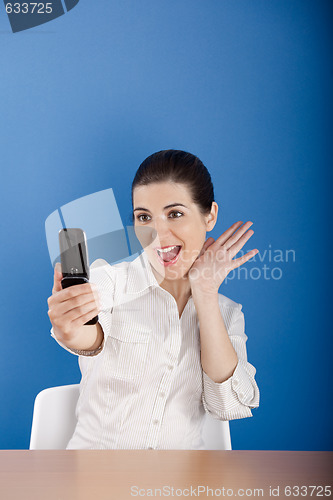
(168, 346)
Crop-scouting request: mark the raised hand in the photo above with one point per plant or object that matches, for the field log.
(215, 260)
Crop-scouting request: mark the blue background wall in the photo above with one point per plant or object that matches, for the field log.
(246, 86)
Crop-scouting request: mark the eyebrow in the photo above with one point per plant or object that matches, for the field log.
(167, 206)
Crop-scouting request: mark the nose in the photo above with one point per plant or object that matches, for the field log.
(161, 230)
(157, 232)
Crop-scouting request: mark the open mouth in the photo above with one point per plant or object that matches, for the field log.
(168, 255)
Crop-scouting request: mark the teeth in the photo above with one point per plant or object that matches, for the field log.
(166, 249)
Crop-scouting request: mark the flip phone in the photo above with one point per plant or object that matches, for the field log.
(74, 259)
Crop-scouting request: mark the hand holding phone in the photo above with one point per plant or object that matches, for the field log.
(70, 309)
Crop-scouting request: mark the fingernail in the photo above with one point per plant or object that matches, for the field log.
(57, 267)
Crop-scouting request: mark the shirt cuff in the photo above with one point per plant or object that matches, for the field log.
(234, 397)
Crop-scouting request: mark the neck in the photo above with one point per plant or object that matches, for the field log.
(180, 289)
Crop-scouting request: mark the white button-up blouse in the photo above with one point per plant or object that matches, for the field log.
(146, 387)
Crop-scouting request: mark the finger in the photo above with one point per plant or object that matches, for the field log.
(65, 321)
(240, 243)
(57, 278)
(235, 237)
(58, 268)
(62, 308)
(226, 235)
(206, 245)
(81, 311)
(77, 290)
(84, 318)
(241, 260)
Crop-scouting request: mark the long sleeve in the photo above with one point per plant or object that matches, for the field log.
(233, 398)
(103, 275)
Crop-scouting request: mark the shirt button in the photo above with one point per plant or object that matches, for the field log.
(155, 422)
(235, 381)
(170, 367)
(162, 394)
(241, 395)
(150, 448)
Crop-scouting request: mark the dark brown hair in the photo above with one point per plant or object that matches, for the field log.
(180, 167)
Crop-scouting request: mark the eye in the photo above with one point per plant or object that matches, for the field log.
(139, 217)
(176, 212)
(142, 215)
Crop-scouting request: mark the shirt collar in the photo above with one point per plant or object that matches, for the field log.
(140, 275)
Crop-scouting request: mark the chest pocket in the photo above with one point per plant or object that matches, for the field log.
(126, 351)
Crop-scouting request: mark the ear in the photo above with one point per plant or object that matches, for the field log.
(211, 218)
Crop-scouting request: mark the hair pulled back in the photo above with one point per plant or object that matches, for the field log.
(174, 165)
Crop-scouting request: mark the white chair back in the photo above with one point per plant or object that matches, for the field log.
(54, 421)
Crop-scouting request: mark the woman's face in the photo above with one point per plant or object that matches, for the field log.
(166, 216)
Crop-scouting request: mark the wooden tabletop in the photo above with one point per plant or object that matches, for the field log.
(124, 474)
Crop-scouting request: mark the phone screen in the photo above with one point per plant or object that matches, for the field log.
(73, 253)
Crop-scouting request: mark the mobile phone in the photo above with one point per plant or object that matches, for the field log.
(74, 259)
